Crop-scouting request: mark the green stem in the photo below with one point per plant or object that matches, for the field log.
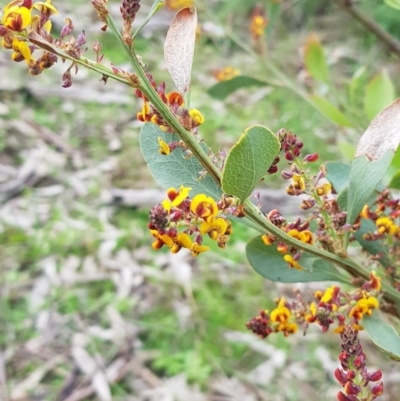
(90, 64)
(252, 212)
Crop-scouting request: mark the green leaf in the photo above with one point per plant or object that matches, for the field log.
(223, 89)
(355, 85)
(393, 3)
(373, 247)
(248, 161)
(330, 111)
(364, 178)
(338, 174)
(346, 149)
(268, 262)
(383, 335)
(395, 181)
(342, 198)
(174, 169)
(314, 59)
(379, 93)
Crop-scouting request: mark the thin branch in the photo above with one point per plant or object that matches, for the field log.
(391, 44)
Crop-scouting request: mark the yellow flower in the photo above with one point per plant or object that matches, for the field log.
(375, 281)
(204, 206)
(174, 99)
(324, 189)
(386, 225)
(178, 4)
(161, 240)
(227, 73)
(185, 241)
(45, 8)
(164, 148)
(214, 227)
(288, 328)
(257, 26)
(311, 316)
(197, 117)
(298, 182)
(16, 18)
(292, 263)
(267, 239)
(281, 313)
(175, 198)
(22, 52)
(365, 305)
(303, 236)
(328, 294)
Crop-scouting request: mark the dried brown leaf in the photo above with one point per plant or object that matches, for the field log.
(179, 48)
(382, 134)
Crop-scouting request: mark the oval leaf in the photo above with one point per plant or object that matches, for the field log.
(383, 133)
(248, 161)
(365, 175)
(383, 335)
(379, 93)
(179, 48)
(174, 169)
(223, 89)
(314, 59)
(268, 262)
(330, 111)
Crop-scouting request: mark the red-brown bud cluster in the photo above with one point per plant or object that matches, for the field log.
(290, 145)
(353, 375)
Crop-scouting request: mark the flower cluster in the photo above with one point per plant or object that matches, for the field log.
(225, 74)
(180, 222)
(297, 229)
(353, 374)
(387, 210)
(258, 23)
(19, 19)
(190, 119)
(329, 306)
(279, 319)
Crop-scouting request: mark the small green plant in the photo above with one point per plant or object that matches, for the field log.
(346, 205)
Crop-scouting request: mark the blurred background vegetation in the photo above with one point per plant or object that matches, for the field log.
(88, 311)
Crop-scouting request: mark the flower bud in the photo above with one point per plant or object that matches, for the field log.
(374, 376)
(310, 158)
(289, 157)
(343, 397)
(286, 175)
(340, 376)
(351, 388)
(377, 390)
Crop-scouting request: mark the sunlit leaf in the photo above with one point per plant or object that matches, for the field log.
(393, 3)
(379, 93)
(314, 59)
(330, 111)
